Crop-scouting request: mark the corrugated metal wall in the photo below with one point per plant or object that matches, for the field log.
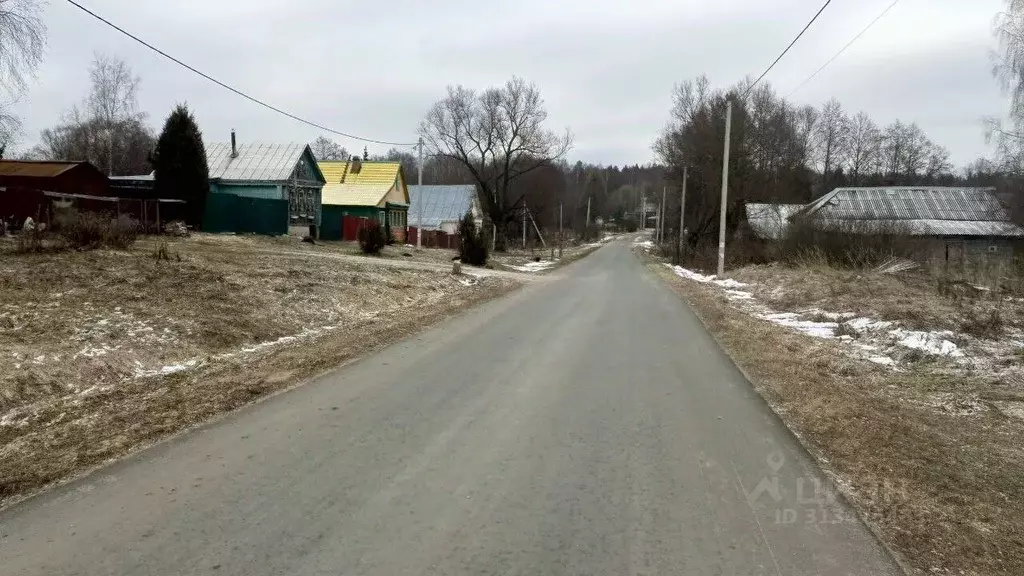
(230, 213)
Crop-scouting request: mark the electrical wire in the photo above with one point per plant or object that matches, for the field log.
(231, 88)
(844, 48)
(769, 69)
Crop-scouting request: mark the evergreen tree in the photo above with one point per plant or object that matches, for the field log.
(179, 163)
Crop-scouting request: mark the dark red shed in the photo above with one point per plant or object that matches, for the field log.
(23, 182)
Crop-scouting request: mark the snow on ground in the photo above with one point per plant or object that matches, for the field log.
(533, 266)
(876, 340)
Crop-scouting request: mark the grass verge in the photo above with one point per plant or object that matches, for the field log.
(109, 351)
(943, 487)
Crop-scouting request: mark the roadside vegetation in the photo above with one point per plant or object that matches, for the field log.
(904, 378)
(107, 350)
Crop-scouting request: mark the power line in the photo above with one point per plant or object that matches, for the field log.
(844, 48)
(223, 85)
(765, 73)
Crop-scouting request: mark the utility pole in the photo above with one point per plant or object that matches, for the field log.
(643, 212)
(419, 209)
(725, 189)
(588, 216)
(524, 224)
(559, 229)
(664, 190)
(682, 213)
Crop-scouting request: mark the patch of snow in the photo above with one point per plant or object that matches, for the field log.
(883, 360)
(533, 266)
(790, 320)
(830, 315)
(738, 295)
(867, 324)
(728, 283)
(930, 342)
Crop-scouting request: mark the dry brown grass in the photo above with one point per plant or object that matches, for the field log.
(935, 462)
(84, 335)
(917, 298)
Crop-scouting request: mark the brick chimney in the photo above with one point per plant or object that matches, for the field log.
(357, 164)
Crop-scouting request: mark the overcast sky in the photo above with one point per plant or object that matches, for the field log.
(606, 68)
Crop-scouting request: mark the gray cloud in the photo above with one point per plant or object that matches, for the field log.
(606, 68)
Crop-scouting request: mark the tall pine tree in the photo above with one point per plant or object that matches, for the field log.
(179, 164)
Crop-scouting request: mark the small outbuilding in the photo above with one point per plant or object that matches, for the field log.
(359, 189)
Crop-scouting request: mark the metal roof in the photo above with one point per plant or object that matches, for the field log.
(769, 221)
(255, 161)
(908, 203)
(35, 169)
(441, 203)
(941, 211)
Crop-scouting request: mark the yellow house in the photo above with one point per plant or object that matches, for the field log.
(363, 189)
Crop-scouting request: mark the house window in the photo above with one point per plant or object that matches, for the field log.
(380, 217)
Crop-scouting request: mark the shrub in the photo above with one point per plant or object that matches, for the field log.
(472, 245)
(628, 225)
(853, 244)
(90, 230)
(388, 234)
(82, 231)
(989, 325)
(122, 232)
(371, 237)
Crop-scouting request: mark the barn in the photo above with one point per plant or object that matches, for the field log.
(956, 223)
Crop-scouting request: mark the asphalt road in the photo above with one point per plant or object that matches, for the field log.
(584, 425)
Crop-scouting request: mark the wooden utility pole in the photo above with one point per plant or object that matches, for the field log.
(524, 224)
(682, 214)
(421, 200)
(664, 191)
(559, 229)
(725, 189)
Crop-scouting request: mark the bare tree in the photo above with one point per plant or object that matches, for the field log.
(863, 145)
(499, 136)
(113, 101)
(107, 129)
(22, 39)
(326, 149)
(831, 136)
(894, 147)
(403, 157)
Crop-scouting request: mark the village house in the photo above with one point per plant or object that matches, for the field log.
(361, 189)
(263, 188)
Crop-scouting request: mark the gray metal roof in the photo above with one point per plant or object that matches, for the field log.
(441, 203)
(769, 221)
(922, 210)
(255, 161)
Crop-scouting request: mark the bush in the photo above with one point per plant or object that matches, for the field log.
(91, 230)
(472, 244)
(628, 225)
(122, 232)
(371, 237)
(388, 234)
(855, 244)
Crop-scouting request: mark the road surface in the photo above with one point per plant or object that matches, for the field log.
(584, 425)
